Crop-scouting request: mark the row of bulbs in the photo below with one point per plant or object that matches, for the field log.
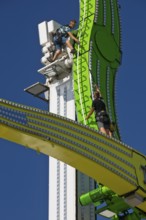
(48, 51)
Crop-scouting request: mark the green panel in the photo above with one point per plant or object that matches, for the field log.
(100, 17)
(107, 14)
(87, 8)
(117, 27)
(105, 54)
(82, 89)
(99, 50)
(111, 99)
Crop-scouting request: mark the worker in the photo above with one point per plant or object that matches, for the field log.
(97, 89)
(102, 118)
(61, 38)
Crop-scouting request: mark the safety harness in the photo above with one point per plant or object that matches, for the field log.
(103, 117)
(61, 32)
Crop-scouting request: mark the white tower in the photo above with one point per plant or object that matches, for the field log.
(65, 183)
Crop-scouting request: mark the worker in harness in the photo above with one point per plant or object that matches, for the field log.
(102, 118)
(61, 38)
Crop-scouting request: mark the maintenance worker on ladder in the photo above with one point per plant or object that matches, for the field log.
(102, 118)
(61, 38)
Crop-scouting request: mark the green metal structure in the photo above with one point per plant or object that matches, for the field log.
(119, 169)
(99, 56)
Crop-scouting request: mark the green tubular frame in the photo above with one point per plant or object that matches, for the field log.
(98, 57)
(82, 90)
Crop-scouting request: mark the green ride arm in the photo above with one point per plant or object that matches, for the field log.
(98, 57)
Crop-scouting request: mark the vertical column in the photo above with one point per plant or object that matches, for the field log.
(64, 181)
(54, 165)
(85, 184)
(62, 178)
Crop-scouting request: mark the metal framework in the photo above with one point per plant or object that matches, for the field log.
(96, 155)
(91, 151)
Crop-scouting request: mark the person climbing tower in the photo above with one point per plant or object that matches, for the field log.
(61, 38)
(102, 117)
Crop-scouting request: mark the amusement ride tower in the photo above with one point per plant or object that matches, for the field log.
(63, 133)
(65, 183)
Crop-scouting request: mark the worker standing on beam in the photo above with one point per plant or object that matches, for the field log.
(61, 38)
(102, 118)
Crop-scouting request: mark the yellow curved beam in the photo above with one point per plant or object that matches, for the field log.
(105, 159)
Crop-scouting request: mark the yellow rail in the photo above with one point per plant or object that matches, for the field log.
(105, 159)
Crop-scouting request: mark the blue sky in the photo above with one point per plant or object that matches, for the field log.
(23, 172)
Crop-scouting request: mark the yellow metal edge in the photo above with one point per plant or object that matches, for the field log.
(85, 165)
